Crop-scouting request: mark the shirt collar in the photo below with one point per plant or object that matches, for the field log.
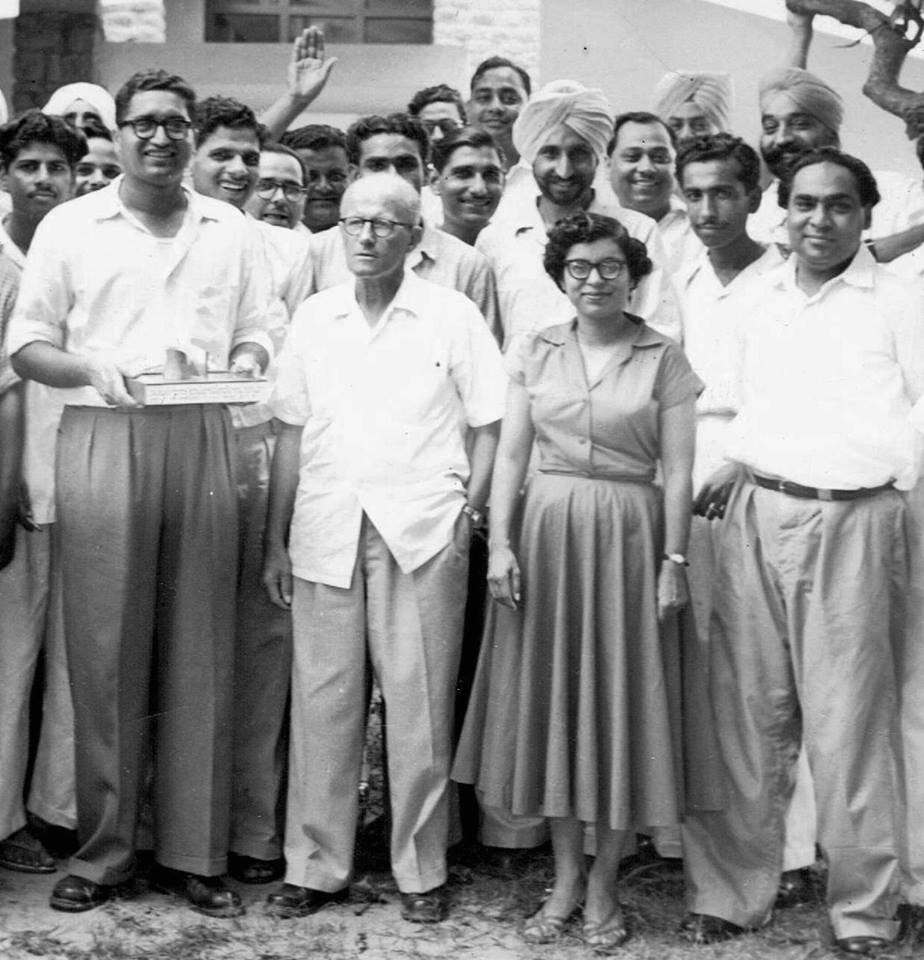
(109, 203)
(860, 273)
(644, 336)
(429, 248)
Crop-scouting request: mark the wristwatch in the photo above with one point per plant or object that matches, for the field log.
(677, 558)
(476, 516)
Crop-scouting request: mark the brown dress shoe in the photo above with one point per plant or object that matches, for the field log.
(207, 895)
(291, 901)
(77, 894)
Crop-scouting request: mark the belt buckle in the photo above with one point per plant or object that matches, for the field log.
(783, 486)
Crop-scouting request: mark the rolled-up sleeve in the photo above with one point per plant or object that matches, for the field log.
(255, 302)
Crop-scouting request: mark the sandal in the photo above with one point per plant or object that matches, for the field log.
(25, 853)
(547, 928)
(607, 936)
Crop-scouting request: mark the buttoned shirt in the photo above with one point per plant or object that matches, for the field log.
(829, 380)
(606, 425)
(384, 410)
(714, 316)
(681, 244)
(439, 258)
(98, 283)
(530, 300)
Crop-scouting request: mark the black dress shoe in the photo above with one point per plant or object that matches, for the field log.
(292, 901)
(76, 894)
(702, 928)
(252, 870)
(862, 946)
(429, 907)
(796, 886)
(208, 895)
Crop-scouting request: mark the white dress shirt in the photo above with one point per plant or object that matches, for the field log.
(98, 283)
(714, 316)
(829, 380)
(384, 410)
(530, 300)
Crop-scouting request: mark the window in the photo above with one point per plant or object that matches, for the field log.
(343, 21)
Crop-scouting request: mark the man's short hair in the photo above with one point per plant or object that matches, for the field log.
(398, 123)
(498, 63)
(153, 79)
(474, 137)
(586, 228)
(215, 112)
(36, 127)
(721, 146)
(441, 93)
(637, 116)
(94, 129)
(273, 146)
(314, 136)
(867, 187)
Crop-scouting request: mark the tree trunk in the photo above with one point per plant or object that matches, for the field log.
(890, 49)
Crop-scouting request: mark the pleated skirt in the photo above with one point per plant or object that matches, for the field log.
(574, 706)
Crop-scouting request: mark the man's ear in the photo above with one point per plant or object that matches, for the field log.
(416, 234)
(353, 171)
(434, 179)
(867, 217)
(754, 198)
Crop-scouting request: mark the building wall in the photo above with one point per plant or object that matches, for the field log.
(624, 46)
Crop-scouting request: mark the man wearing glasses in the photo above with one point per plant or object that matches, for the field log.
(146, 504)
(227, 166)
(372, 500)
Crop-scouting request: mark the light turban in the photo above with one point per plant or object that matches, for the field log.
(811, 93)
(711, 92)
(98, 98)
(563, 103)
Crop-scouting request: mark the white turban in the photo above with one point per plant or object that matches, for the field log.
(811, 93)
(98, 98)
(563, 103)
(711, 92)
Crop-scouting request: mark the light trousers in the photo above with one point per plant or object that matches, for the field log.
(808, 601)
(147, 513)
(406, 628)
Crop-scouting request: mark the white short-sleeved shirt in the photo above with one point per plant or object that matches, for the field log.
(829, 381)
(384, 411)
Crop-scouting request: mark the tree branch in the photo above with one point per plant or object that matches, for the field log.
(890, 47)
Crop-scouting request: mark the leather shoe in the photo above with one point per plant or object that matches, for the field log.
(252, 870)
(429, 907)
(76, 894)
(23, 851)
(862, 946)
(291, 901)
(207, 895)
(796, 886)
(702, 928)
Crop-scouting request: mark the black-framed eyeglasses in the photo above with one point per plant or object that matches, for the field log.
(381, 227)
(609, 269)
(144, 128)
(266, 189)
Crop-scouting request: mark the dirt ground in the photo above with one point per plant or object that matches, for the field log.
(489, 903)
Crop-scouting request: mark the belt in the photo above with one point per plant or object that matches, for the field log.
(792, 489)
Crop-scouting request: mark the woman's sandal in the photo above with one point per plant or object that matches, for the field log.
(607, 936)
(547, 928)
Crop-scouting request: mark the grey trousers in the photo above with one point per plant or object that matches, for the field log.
(807, 604)
(408, 628)
(147, 513)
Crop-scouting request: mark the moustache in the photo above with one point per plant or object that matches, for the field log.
(783, 157)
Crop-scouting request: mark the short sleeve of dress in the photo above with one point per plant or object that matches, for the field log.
(676, 382)
(515, 357)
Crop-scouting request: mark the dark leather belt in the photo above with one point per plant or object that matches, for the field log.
(792, 489)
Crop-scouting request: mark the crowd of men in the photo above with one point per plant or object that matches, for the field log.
(210, 588)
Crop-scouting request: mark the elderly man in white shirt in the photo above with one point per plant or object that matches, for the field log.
(372, 502)
(811, 570)
(146, 502)
(563, 133)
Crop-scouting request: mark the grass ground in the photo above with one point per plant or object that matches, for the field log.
(488, 906)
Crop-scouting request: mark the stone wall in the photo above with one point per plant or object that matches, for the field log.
(51, 48)
(508, 28)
